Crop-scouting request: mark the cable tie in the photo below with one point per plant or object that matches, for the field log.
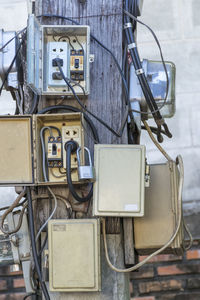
(128, 25)
(131, 46)
(139, 71)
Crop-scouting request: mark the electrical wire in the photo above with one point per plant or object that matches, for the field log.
(33, 243)
(155, 142)
(11, 65)
(178, 225)
(44, 158)
(118, 134)
(9, 210)
(191, 240)
(51, 215)
(66, 36)
(29, 295)
(73, 109)
(124, 82)
(12, 39)
(79, 42)
(161, 55)
(70, 147)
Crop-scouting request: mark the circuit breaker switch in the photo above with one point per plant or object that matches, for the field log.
(55, 152)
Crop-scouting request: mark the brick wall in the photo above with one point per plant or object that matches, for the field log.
(168, 277)
(11, 285)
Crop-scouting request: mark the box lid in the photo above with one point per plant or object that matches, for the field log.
(16, 159)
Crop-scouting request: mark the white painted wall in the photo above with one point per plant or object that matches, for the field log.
(177, 26)
(13, 17)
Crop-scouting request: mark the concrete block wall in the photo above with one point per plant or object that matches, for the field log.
(177, 26)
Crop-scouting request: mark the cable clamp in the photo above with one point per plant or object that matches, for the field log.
(127, 25)
(139, 71)
(131, 46)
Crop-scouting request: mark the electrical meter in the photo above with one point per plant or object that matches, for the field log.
(67, 44)
(157, 226)
(157, 81)
(7, 55)
(33, 148)
(120, 180)
(74, 255)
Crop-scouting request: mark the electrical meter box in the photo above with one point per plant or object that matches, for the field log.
(70, 45)
(120, 180)
(6, 57)
(157, 81)
(157, 226)
(22, 160)
(74, 255)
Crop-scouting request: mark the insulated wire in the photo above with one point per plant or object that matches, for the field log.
(140, 264)
(9, 210)
(155, 142)
(161, 55)
(118, 134)
(51, 215)
(33, 243)
(11, 65)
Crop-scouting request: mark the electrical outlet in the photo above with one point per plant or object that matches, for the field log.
(72, 133)
(57, 50)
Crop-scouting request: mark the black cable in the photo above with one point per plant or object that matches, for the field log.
(143, 80)
(118, 134)
(73, 109)
(33, 244)
(160, 50)
(100, 44)
(12, 39)
(70, 147)
(34, 104)
(29, 295)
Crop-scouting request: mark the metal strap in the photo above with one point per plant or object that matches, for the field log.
(139, 71)
(131, 46)
(127, 25)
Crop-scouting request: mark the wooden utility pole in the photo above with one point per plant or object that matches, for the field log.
(105, 100)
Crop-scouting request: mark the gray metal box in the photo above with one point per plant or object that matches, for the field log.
(161, 212)
(41, 40)
(74, 255)
(120, 180)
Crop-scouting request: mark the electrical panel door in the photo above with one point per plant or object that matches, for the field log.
(161, 212)
(74, 255)
(120, 180)
(16, 164)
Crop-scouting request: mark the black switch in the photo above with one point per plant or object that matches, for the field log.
(76, 63)
(54, 149)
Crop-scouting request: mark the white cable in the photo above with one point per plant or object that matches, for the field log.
(51, 215)
(140, 264)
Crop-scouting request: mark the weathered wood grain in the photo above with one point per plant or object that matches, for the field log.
(105, 100)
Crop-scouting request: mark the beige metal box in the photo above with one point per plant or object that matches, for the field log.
(74, 255)
(20, 151)
(161, 212)
(120, 180)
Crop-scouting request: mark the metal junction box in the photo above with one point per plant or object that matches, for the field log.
(74, 255)
(6, 56)
(120, 180)
(21, 151)
(70, 44)
(161, 212)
